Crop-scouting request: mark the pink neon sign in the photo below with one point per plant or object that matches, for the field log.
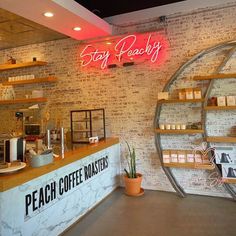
(129, 48)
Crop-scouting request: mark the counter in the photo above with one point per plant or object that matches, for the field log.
(47, 200)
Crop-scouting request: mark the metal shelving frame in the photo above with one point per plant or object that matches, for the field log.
(232, 48)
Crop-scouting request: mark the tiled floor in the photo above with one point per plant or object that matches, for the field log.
(158, 214)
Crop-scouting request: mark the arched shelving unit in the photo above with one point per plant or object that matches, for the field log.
(230, 48)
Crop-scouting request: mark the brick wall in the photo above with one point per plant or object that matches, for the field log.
(129, 94)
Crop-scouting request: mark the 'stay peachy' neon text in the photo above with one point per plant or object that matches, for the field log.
(124, 48)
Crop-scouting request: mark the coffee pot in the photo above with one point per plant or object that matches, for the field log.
(225, 158)
(231, 173)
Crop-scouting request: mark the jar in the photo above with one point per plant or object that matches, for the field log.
(182, 94)
(189, 93)
(167, 126)
(197, 93)
(162, 126)
(177, 126)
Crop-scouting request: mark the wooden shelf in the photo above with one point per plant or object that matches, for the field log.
(220, 139)
(179, 131)
(22, 65)
(215, 76)
(180, 101)
(229, 181)
(191, 166)
(31, 81)
(24, 100)
(213, 108)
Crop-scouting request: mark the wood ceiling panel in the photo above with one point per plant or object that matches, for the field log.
(17, 31)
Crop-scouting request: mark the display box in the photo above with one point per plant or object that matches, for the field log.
(197, 93)
(221, 101)
(189, 93)
(166, 156)
(230, 100)
(182, 94)
(225, 155)
(229, 171)
(174, 156)
(190, 156)
(198, 157)
(181, 156)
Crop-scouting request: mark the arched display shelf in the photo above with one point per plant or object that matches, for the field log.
(230, 48)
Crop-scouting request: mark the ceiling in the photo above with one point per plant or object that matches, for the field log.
(103, 9)
(17, 31)
(18, 25)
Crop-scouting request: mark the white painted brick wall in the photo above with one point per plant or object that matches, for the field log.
(129, 94)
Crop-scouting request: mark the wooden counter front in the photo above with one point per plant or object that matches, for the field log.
(29, 173)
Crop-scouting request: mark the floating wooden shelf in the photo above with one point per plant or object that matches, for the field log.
(191, 165)
(229, 181)
(213, 108)
(220, 139)
(215, 76)
(180, 101)
(21, 65)
(179, 131)
(31, 81)
(24, 100)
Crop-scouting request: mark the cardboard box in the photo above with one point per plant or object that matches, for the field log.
(181, 156)
(182, 94)
(230, 100)
(221, 101)
(166, 156)
(190, 156)
(189, 93)
(197, 93)
(198, 157)
(174, 156)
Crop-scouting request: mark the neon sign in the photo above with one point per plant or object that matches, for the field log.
(129, 48)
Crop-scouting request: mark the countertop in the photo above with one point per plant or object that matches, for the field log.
(28, 173)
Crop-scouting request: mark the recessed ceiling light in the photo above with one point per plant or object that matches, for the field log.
(76, 28)
(48, 14)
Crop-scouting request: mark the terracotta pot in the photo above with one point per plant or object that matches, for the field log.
(133, 185)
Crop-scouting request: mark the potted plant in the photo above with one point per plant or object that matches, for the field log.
(132, 179)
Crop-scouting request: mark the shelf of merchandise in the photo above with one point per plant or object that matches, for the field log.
(190, 165)
(22, 65)
(221, 139)
(215, 76)
(180, 101)
(179, 131)
(31, 81)
(215, 108)
(231, 47)
(29, 100)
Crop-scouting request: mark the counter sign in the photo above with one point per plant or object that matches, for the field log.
(44, 196)
(135, 47)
